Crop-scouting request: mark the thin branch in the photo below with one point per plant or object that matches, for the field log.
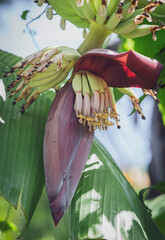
(34, 19)
(31, 31)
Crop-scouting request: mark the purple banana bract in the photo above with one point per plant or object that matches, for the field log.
(66, 148)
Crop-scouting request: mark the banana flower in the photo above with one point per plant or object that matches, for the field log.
(84, 104)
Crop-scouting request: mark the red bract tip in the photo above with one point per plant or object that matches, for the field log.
(128, 69)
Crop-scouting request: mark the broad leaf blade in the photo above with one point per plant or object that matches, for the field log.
(21, 158)
(105, 206)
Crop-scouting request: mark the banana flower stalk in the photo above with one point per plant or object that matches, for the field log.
(84, 104)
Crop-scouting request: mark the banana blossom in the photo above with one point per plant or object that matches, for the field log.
(84, 104)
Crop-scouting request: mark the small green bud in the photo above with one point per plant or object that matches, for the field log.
(62, 24)
(49, 13)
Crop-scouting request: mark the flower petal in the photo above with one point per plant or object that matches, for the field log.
(128, 69)
(66, 147)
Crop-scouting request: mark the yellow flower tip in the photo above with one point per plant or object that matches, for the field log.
(99, 121)
(93, 102)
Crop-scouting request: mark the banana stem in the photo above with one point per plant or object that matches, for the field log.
(95, 38)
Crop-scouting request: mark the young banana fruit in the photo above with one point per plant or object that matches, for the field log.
(118, 16)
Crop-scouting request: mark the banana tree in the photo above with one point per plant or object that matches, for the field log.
(86, 102)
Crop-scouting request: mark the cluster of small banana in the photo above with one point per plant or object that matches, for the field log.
(41, 71)
(119, 16)
(94, 102)
(123, 19)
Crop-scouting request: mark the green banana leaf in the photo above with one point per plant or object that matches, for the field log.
(105, 206)
(21, 141)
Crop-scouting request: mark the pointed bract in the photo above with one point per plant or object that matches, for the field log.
(66, 147)
(128, 69)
